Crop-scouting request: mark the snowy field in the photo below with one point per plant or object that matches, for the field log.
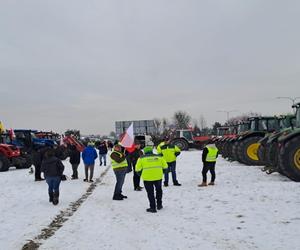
(247, 209)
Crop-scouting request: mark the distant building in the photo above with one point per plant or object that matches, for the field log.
(141, 127)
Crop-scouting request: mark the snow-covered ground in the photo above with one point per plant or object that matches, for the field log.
(247, 209)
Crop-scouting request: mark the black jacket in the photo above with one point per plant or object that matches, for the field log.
(52, 167)
(74, 156)
(135, 155)
(102, 149)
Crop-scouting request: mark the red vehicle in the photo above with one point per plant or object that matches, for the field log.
(185, 139)
(10, 156)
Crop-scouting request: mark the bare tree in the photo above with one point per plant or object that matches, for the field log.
(182, 119)
(240, 118)
(202, 122)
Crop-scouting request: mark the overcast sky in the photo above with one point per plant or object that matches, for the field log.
(85, 64)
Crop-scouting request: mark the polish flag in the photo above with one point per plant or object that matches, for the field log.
(128, 139)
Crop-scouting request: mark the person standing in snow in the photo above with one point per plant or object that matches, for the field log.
(209, 158)
(53, 169)
(151, 168)
(133, 154)
(169, 153)
(102, 152)
(74, 160)
(37, 158)
(119, 165)
(89, 155)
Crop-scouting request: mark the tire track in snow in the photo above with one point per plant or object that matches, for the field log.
(63, 216)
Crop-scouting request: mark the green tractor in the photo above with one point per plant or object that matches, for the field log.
(230, 146)
(248, 143)
(289, 150)
(267, 151)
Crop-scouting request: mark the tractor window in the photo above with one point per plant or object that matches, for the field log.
(298, 118)
(187, 135)
(262, 125)
(273, 125)
(253, 125)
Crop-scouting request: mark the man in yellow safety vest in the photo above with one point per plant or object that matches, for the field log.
(209, 158)
(169, 153)
(119, 165)
(151, 168)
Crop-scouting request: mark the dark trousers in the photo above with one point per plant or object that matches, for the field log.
(53, 184)
(209, 167)
(172, 169)
(102, 157)
(75, 171)
(87, 168)
(149, 186)
(120, 178)
(136, 177)
(37, 171)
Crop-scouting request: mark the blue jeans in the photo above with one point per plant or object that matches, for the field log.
(120, 177)
(102, 156)
(172, 169)
(53, 183)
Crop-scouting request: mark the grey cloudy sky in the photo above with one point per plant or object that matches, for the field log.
(84, 64)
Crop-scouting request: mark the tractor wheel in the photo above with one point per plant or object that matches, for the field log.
(261, 153)
(182, 144)
(247, 151)
(272, 157)
(289, 159)
(4, 163)
(234, 151)
(25, 163)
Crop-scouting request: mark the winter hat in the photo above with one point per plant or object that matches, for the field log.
(148, 149)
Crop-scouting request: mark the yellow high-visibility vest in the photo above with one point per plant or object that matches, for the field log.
(151, 166)
(116, 165)
(212, 154)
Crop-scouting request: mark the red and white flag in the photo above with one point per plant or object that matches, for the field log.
(128, 139)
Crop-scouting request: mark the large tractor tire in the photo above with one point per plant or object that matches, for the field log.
(234, 151)
(261, 153)
(289, 159)
(181, 143)
(4, 163)
(247, 151)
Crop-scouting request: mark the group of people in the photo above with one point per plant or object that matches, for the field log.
(145, 164)
(153, 167)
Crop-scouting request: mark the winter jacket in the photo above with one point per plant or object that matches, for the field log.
(52, 167)
(102, 149)
(38, 155)
(135, 155)
(89, 155)
(74, 156)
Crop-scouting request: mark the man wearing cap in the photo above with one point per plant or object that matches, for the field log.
(89, 155)
(151, 168)
(169, 153)
(119, 165)
(209, 158)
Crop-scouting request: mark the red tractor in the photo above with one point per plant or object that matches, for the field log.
(10, 155)
(185, 139)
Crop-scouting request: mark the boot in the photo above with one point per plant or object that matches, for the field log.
(55, 198)
(176, 183)
(203, 184)
(50, 196)
(166, 184)
(151, 210)
(211, 183)
(159, 206)
(117, 197)
(124, 196)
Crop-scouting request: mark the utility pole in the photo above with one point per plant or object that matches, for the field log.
(227, 112)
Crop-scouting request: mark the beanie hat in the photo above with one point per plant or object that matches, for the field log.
(148, 149)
